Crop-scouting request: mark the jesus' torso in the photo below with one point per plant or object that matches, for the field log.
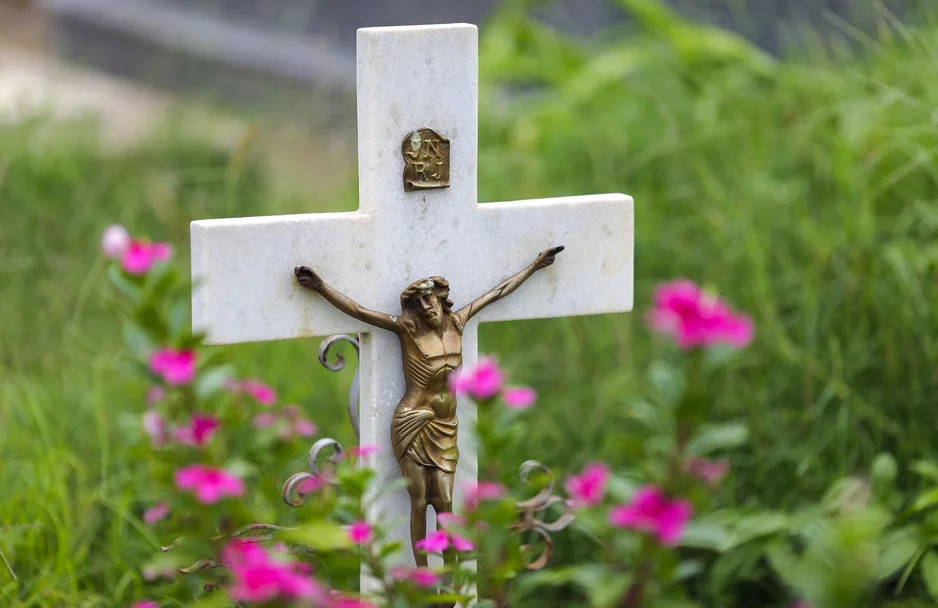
(430, 357)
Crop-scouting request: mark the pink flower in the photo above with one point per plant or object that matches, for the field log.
(361, 533)
(155, 395)
(115, 242)
(176, 367)
(149, 574)
(260, 392)
(710, 472)
(652, 511)
(311, 485)
(304, 428)
(486, 490)
(258, 577)
(450, 519)
(140, 257)
(155, 426)
(436, 542)
(155, 514)
(696, 319)
(422, 577)
(146, 604)
(481, 382)
(208, 484)
(364, 451)
(440, 541)
(461, 544)
(588, 488)
(342, 601)
(199, 433)
(265, 420)
(519, 398)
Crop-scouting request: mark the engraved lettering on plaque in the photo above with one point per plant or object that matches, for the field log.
(426, 158)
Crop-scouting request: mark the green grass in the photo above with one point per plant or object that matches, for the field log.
(805, 190)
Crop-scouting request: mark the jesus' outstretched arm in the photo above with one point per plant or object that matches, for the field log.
(545, 259)
(306, 277)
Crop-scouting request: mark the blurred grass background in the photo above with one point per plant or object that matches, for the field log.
(804, 189)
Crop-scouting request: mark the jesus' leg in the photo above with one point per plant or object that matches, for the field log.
(417, 487)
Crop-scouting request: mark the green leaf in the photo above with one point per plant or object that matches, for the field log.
(925, 500)
(667, 382)
(136, 339)
(451, 598)
(603, 587)
(896, 550)
(213, 380)
(884, 469)
(123, 284)
(760, 525)
(930, 573)
(706, 535)
(784, 563)
(712, 438)
(178, 317)
(926, 468)
(320, 536)
(214, 600)
(846, 493)
(673, 603)
(241, 469)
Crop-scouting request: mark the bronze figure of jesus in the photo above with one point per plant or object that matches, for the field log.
(423, 431)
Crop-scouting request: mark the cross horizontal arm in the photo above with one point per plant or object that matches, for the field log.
(246, 290)
(593, 275)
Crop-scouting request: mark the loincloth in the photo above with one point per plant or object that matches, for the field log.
(430, 442)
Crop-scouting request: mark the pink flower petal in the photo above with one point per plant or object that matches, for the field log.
(519, 398)
(486, 490)
(711, 472)
(176, 367)
(311, 485)
(437, 542)
(361, 533)
(146, 604)
(199, 433)
(481, 382)
(462, 544)
(653, 512)
(140, 257)
(589, 488)
(450, 519)
(364, 451)
(260, 392)
(156, 514)
(155, 395)
(155, 426)
(696, 319)
(304, 428)
(208, 484)
(115, 242)
(422, 577)
(265, 420)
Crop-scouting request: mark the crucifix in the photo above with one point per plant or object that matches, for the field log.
(419, 240)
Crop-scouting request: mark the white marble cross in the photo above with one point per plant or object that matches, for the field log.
(410, 78)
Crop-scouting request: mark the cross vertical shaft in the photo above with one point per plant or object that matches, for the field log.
(411, 78)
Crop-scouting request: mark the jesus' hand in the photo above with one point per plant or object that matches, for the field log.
(547, 257)
(306, 277)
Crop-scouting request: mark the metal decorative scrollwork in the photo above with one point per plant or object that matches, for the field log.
(531, 508)
(340, 365)
(247, 533)
(292, 491)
